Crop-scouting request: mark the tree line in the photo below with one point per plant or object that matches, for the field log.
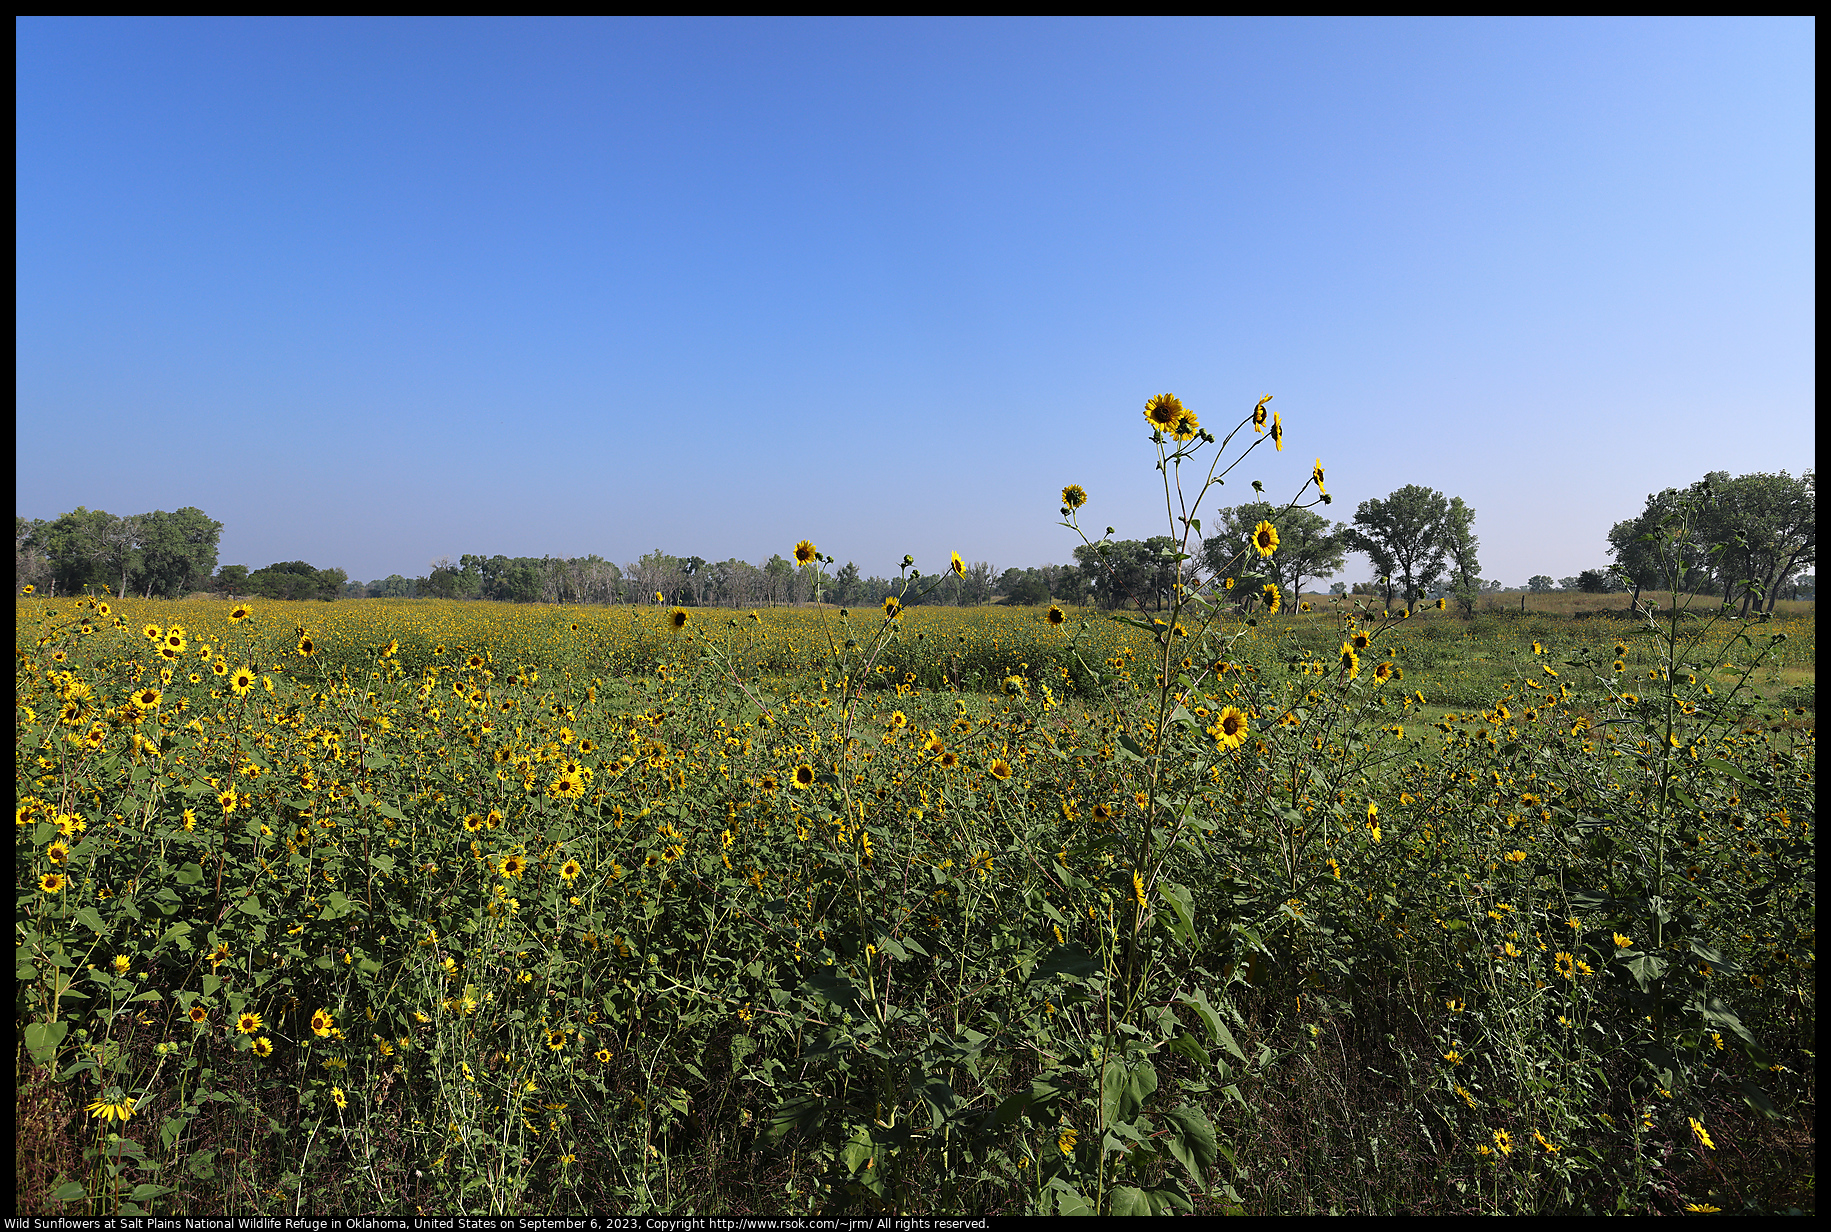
(1751, 537)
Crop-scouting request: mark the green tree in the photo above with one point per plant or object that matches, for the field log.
(1460, 546)
(1540, 583)
(1406, 537)
(31, 567)
(1767, 526)
(295, 579)
(1308, 546)
(1129, 572)
(177, 551)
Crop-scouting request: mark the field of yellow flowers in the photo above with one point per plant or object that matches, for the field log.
(422, 907)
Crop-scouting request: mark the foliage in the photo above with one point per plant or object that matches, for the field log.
(1308, 546)
(492, 909)
(1408, 536)
(1746, 536)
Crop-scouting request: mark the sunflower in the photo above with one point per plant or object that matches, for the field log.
(556, 1040)
(473, 822)
(241, 612)
(677, 619)
(476, 661)
(949, 760)
(1441, 604)
(1350, 662)
(241, 680)
(1074, 496)
(263, 1047)
(1316, 474)
(1265, 538)
(1227, 585)
(53, 883)
(58, 853)
(899, 720)
(1169, 416)
(570, 870)
(307, 647)
(512, 865)
(1360, 639)
(146, 699)
(1055, 615)
(1566, 965)
(893, 607)
(806, 553)
(1273, 598)
(1503, 1142)
(321, 1023)
(603, 1056)
(1000, 769)
(174, 637)
(1230, 728)
(1383, 672)
(338, 1097)
(1258, 415)
(111, 1110)
(249, 1024)
(804, 775)
(1142, 799)
(199, 1014)
(1277, 432)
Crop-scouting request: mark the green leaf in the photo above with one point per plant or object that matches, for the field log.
(836, 989)
(1192, 1141)
(1211, 1018)
(1191, 1047)
(1723, 767)
(190, 874)
(147, 1190)
(1130, 1200)
(42, 1039)
(151, 994)
(1756, 1098)
(1068, 1199)
(70, 1191)
(1071, 960)
(1182, 903)
(87, 917)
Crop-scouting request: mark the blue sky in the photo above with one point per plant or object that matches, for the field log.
(373, 292)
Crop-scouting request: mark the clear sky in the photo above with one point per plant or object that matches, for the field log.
(373, 292)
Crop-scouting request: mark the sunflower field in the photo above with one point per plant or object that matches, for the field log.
(415, 906)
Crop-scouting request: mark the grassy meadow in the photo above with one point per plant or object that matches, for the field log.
(414, 905)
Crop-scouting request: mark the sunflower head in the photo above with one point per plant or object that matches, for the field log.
(1055, 615)
(1230, 727)
(893, 607)
(806, 553)
(1265, 538)
(1172, 418)
(1074, 496)
(1000, 769)
(241, 612)
(804, 775)
(957, 565)
(677, 619)
(321, 1023)
(1272, 596)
